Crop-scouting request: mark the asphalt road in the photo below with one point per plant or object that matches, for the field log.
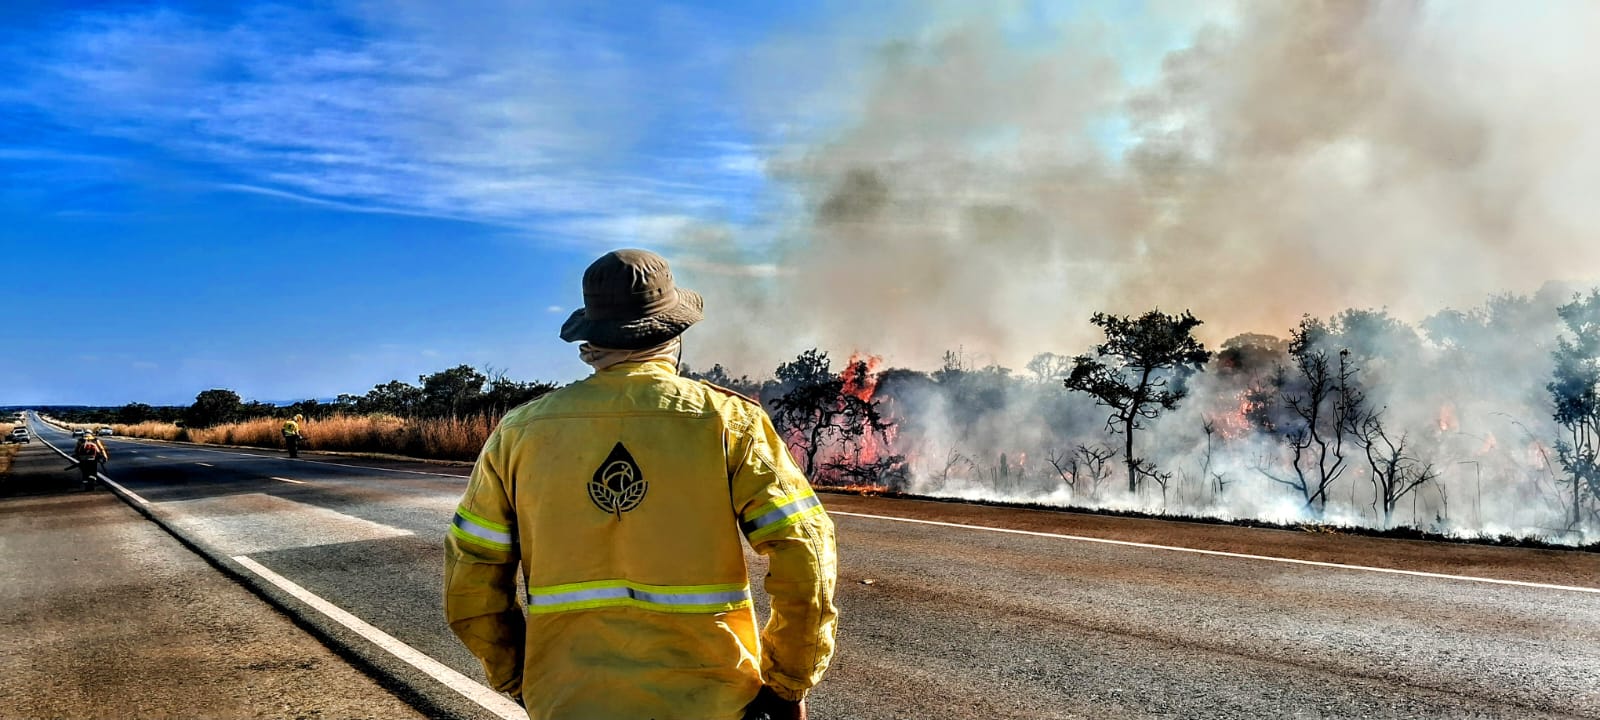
(107, 616)
(957, 621)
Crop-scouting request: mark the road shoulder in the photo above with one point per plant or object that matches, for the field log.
(1555, 567)
(112, 617)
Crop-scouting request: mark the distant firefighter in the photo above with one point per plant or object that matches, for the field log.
(627, 498)
(88, 457)
(292, 436)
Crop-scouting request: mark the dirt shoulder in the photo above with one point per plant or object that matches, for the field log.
(111, 617)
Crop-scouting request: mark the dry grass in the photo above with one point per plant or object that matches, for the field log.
(150, 429)
(358, 433)
(8, 450)
(445, 439)
(260, 432)
(455, 438)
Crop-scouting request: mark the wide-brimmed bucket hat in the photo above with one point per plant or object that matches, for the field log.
(631, 303)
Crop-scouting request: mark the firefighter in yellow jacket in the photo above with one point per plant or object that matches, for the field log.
(292, 436)
(624, 498)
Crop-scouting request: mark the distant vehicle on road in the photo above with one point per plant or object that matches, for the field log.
(105, 431)
(80, 432)
(19, 435)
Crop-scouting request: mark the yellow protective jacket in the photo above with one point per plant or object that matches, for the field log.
(627, 498)
(290, 427)
(83, 452)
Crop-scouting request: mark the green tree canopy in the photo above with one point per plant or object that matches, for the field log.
(213, 407)
(1138, 373)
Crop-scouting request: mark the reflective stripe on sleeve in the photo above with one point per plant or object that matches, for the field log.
(474, 529)
(772, 517)
(624, 593)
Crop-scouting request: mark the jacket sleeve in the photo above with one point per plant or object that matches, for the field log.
(783, 520)
(480, 575)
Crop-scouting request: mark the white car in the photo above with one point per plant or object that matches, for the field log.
(19, 435)
(104, 432)
(80, 432)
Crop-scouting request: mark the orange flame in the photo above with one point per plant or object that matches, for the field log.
(1489, 444)
(1236, 422)
(861, 376)
(1447, 418)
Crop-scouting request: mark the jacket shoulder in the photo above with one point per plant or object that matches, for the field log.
(732, 394)
(537, 406)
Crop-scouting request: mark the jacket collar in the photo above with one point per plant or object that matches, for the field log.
(635, 369)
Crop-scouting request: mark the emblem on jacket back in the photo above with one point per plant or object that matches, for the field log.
(618, 486)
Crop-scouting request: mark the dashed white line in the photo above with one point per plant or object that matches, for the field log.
(288, 480)
(317, 462)
(471, 689)
(368, 467)
(205, 464)
(1220, 553)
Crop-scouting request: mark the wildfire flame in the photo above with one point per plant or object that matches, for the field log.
(1489, 444)
(1236, 422)
(1447, 418)
(861, 376)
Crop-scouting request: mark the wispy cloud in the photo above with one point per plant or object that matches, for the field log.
(543, 124)
(737, 270)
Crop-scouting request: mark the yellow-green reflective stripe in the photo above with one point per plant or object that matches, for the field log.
(621, 593)
(470, 531)
(774, 504)
(480, 520)
(502, 547)
(782, 517)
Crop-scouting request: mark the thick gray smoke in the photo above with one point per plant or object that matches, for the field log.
(990, 189)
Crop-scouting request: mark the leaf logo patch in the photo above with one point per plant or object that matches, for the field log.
(618, 485)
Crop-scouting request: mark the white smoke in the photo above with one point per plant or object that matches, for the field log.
(1295, 157)
(989, 189)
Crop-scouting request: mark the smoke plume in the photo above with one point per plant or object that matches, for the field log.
(988, 188)
(989, 191)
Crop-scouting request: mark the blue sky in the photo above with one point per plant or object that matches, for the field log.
(301, 199)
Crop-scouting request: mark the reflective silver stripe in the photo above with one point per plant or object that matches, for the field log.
(781, 513)
(654, 597)
(482, 533)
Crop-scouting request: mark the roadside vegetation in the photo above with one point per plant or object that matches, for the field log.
(8, 450)
(1482, 422)
(437, 438)
(447, 415)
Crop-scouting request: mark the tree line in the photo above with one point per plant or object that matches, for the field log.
(1330, 405)
(1335, 403)
(461, 391)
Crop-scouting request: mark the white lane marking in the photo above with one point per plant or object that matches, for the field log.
(366, 467)
(1220, 553)
(258, 522)
(131, 494)
(287, 480)
(205, 464)
(471, 689)
(317, 462)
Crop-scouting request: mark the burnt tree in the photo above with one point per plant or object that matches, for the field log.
(817, 407)
(1138, 373)
(1207, 476)
(1324, 403)
(1396, 471)
(1083, 464)
(1575, 394)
